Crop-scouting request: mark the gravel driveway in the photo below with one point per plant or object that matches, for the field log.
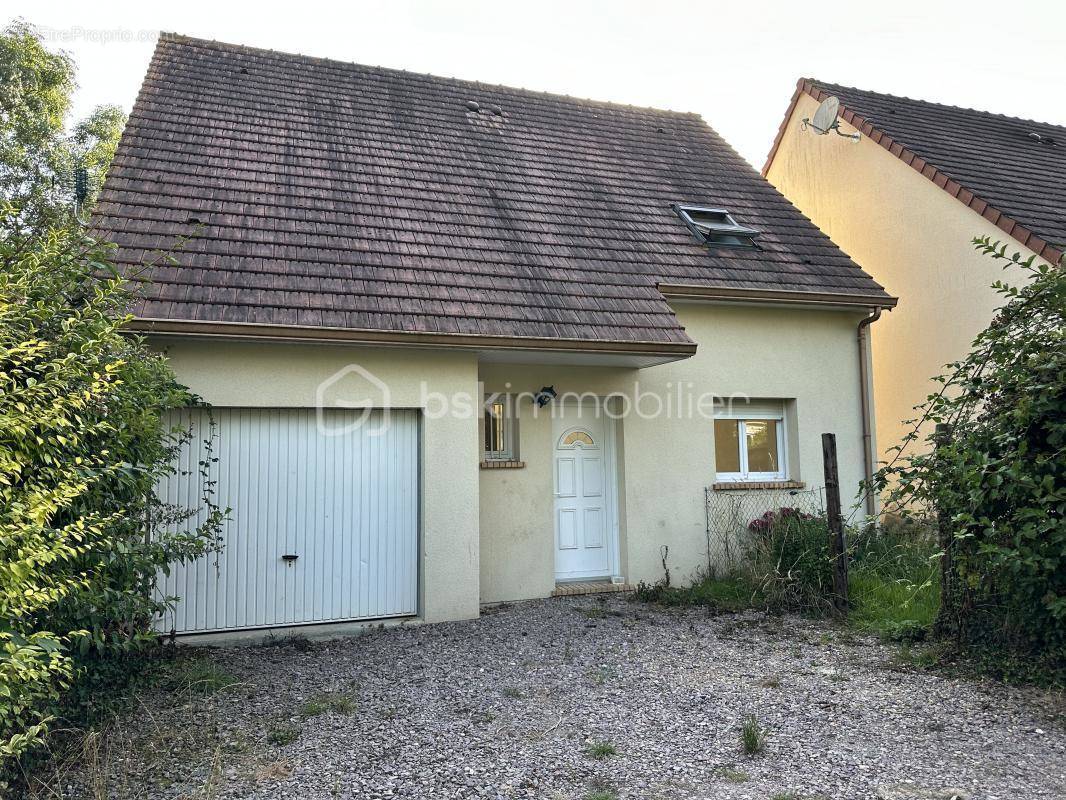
(519, 703)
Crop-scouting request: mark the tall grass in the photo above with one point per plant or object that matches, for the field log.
(893, 581)
(893, 575)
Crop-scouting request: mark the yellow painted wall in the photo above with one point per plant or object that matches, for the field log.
(913, 238)
(810, 357)
(289, 375)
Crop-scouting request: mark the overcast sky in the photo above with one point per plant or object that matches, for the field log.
(735, 63)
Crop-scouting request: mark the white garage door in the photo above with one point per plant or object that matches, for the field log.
(323, 526)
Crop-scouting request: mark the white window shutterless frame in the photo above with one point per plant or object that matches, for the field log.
(750, 421)
(500, 431)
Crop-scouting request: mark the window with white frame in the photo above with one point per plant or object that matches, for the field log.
(750, 442)
(501, 429)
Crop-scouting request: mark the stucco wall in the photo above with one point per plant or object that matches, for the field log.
(488, 535)
(283, 375)
(913, 238)
(809, 357)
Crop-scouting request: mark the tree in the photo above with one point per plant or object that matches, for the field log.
(996, 471)
(37, 156)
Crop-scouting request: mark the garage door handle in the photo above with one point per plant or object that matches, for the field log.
(289, 557)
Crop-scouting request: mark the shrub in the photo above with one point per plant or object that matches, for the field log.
(83, 430)
(789, 560)
(995, 475)
(83, 441)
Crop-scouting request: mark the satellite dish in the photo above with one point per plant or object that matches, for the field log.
(826, 119)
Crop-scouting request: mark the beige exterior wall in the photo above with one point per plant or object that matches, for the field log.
(280, 375)
(913, 238)
(807, 357)
(488, 535)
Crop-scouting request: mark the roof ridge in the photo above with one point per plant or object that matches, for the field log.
(180, 38)
(825, 85)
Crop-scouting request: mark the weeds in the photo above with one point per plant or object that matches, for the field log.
(283, 734)
(204, 676)
(97, 773)
(602, 674)
(320, 704)
(893, 582)
(513, 692)
(214, 776)
(568, 653)
(752, 736)
(602, 793)
(314, 707)
(601, 750)
(733, 775)
(893, 576)
(728, 594)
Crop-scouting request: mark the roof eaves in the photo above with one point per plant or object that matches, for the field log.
(294, 333)
(1027, 238)
(728, 294)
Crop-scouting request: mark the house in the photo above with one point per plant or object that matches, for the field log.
(467, 343)
(905, 201)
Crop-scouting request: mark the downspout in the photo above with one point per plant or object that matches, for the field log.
(865, 392)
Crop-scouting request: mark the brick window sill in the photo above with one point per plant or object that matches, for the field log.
(503, 464)
(732, 486)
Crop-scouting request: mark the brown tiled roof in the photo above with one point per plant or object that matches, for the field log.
(992, 163)
(327, 195)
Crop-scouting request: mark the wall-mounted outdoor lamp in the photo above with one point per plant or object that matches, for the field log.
(545, 396)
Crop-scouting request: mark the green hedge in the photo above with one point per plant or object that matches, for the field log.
(995, 476)
(82, 444)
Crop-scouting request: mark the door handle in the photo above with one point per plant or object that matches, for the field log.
(290, 557)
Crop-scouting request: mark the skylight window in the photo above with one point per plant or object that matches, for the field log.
(716, 226)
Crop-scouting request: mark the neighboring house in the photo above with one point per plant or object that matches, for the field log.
(905, 201)
(376, 246)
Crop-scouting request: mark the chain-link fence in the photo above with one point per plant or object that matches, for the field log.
(730, 514)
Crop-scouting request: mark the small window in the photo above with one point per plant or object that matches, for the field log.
(716, 226)
(750, 448)
(501, 429)
(577, 439)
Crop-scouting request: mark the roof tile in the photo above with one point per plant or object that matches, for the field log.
(300, 191)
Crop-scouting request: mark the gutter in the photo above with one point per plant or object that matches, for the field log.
(865, 395)
(298, 333)
(686, 291)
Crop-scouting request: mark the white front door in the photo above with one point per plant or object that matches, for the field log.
(583, 499)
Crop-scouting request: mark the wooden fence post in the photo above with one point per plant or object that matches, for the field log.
(837, 547)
